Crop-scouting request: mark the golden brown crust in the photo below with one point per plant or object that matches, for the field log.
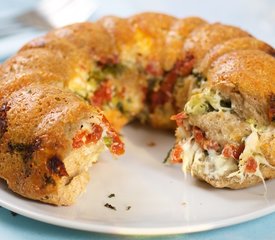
(71, 57)
(89, 38)
(32, 155)
(33, 66)
(249, 73)
(229, 46)
(176, 37)
(202, 39)
(39, 115)
(153, 35)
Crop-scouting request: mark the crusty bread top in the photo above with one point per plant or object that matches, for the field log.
(40, 123)
(229, 46)
(160, 41)
(250, 71)
(32, 66)
(203, 38)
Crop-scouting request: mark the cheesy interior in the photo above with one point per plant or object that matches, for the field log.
(214, 164)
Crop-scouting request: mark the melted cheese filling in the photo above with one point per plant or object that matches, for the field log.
(83, 84)
(142, 44)
(215, 165)
(201, 102)
(252, 149)
(190, 150)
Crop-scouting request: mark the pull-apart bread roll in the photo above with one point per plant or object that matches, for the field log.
(49, 139)
(216, 80)
(226, 133)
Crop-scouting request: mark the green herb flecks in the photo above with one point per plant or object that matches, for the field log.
(96, 75)
(108, 141)
(101, 73)
(113, 69)
(120, 107)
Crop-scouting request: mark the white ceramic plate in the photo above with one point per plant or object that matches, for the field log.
(162, 199)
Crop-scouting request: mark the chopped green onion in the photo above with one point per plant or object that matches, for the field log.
(108, 141)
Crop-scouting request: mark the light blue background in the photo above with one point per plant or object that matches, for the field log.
(19, 227)
(256, 16)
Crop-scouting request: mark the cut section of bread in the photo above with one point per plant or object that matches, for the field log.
(223, 131)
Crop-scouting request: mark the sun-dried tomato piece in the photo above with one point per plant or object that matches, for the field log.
(198, 135)
(179, 118)
(78, 140)
(251, 165)
(86, 137)
(203, 142)
(102, 95)
(117, 146)
(184, 67)
(154, 69)
(176, 154)
(165, 93)
(95, 135)
(233, 151)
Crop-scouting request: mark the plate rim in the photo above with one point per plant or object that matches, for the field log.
(142, 231)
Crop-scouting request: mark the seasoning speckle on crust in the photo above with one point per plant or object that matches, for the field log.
(56, 166)
(25, 150)
(271, 111)
(3, 119)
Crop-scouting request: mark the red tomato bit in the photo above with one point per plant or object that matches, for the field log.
(154, 69)
(251, 165)
(203, 142)
(165, 92)
(107, 60)
(84, 137)
(233, 151)
(102, 95)
(96, 134)
(176, 154)
(78, 139)
(179, 118)
(117, 146)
